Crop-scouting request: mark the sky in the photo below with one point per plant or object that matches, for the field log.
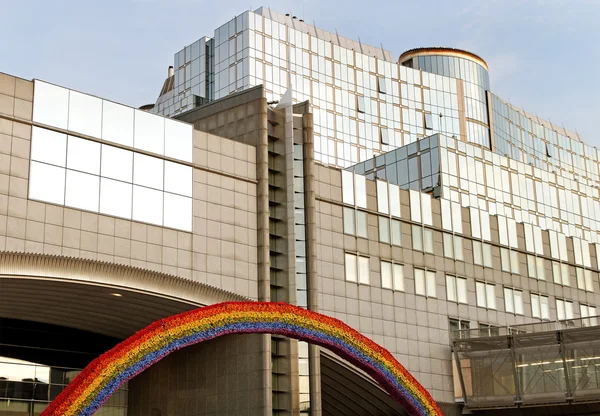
(543, 55)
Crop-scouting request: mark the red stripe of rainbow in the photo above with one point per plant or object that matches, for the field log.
(103, 376)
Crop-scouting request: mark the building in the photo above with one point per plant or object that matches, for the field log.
(287, 163)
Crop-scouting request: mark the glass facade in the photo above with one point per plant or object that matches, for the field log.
(119, 168)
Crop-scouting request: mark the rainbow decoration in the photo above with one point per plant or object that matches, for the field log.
(103, 376)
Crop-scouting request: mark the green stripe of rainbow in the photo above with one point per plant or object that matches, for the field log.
(103, 376)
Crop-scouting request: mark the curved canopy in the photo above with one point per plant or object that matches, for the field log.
(103, 376)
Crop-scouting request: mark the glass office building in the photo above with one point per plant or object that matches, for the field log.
(524, 190)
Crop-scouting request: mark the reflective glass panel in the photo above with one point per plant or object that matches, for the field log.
(50, 104)
(361, 224)
(117, 163)
(347, 187)
(83, 155)
(147, 205)
(83, 191)
(178, 212)
(349, 221)
(85, 114)
(351, 271)
(178, 140)
(47, 183)
(115, 198)
(117, 123)
(149, 132)
(48, 146)
(147, 171)
(386, 274)
(178, 178)
(398, 277)
(363, 270)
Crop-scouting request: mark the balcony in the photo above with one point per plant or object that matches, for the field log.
(528, 365)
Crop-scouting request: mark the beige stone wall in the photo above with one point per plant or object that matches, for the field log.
(416, 328)
(221, 250)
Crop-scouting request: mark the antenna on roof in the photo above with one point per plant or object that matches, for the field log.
(382, 50)
(360, 43)
(315, 26)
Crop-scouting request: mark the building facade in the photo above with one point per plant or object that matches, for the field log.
(282, 162)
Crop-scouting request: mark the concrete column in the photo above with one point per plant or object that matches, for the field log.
(311, 257)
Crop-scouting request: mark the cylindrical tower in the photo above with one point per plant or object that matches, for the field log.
(473, 84)
(449, 62)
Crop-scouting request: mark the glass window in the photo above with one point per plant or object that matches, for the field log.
(396, 233)
(486, 295)
(386, 275)
(50, 104)
(83, 155)
(505, 259)
(360, 103)
(514, 262)
(82, 191)
(363, 270)
(85, 114)
(426, 209)
(361, 224)
(394, 196)
(178, 140)
(457, 217)
(539, 306)
(48, 146)
(428, 121)
(360, 191)
(513, 301)
(178, 178)
(382, 197)
(115, 198)
(149, 132)
(347, 187)
(351, 268)
(415, 206)
(177, 212)
(384, 230)
(381, 85)
(487, 255)
(384, 135)
(417, 238)
(427, 240)
(47, 183)
(446, 215)
(448, 245)
(458, 248)
(588, 312)
(431, 285)
(477, 253)
(349, 221)
(420, 284)
(117, 163)
(456, 288)
(148, 171)
(147, 205)
(398, 277)
(117, 123)
(564, 309)
(475, 227)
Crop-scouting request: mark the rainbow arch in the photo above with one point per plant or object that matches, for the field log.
(103, 376)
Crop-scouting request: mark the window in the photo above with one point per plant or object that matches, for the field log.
(458, 325)
(488, 330)
(382, 197)
(428, 121)
(535, 267)
(381, 85)
(384, 135)
(561, 273)
(354, 189)
(588, 312)
(396, 231)
(513, 301)
(355, 222)
(392, 276)
(584, 279)
(448, 245)
(422, 239)
(420, 207)
(425, 283)
(486, 295)
(564, 309)
(539, 306)
(482, 254)
(360, 104)
(357, 268)
(384, 230)
(456, 289)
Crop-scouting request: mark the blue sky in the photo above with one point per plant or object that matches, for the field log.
(544, 55)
